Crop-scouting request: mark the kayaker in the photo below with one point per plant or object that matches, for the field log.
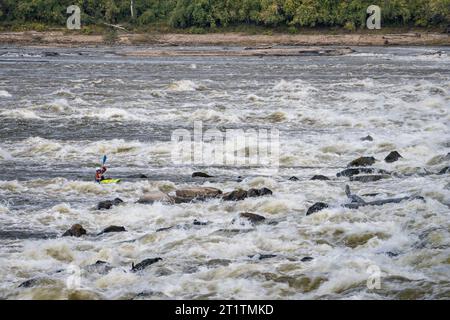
(99, 174)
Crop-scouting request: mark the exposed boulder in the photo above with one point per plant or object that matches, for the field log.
(367, 138)
(259, 192)
(319, 177)
(155, 196)
(108, 204)
(113, 229)
(362, 162)
(235, 195)
(392, 157)
(306, 259)
(50, 54)
(293, 178)
(316, 207)
(252, 217)
(369, 178)
(165, 228)
(144, 264)
(201, 175)
(75, 231)
(198, 193)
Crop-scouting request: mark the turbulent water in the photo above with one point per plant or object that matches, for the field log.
(60, 113)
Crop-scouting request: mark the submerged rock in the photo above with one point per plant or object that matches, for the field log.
(355, 171)
(293, 178)
(306, 259)
(367, 138)
(259, 192)
(316, 207)
(155, 196)
(75, 231)
(201, 175)
(369, 178)
(260, 256)
(113, 229)
(362, 162)
(444, 170)
(319, 177)
(108, 204)
(100, 267)
(144, 264)
(252, 217)
(199, 223)
(392, 157)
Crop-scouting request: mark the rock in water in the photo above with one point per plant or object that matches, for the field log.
(362, 162)
(261, 256)
(252, 217)
(155, 196)
(199, 223)
(144, 264)
(369, 178)
(100, 267)
(306, 259)
(444, 170)
(392, 157)
(201, 175)
(235, 195)
(293, 178)
(367, 138)
(259, 192)
(319, 177)
(316, 207)
(75, 231)
(114, 229)
(198, 192)
(108, 204)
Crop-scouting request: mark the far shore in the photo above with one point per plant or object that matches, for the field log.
(72, 39)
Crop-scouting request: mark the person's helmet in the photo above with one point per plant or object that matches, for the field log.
(98, 171)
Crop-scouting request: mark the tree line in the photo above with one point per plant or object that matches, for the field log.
(350, 14)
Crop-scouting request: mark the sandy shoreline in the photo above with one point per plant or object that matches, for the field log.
(61, 39)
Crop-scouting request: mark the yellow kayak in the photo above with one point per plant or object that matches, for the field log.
(109, 181)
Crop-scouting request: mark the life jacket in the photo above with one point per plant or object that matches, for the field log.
(98, 176)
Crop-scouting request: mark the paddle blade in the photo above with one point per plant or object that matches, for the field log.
(104, 159)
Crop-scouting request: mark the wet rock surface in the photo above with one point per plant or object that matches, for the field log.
(362, 162)
(144, 264)
(75, 231)
(392, 157)
(108, 204)
(316, 207)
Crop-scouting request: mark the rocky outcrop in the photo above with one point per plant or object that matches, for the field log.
(319, 177)
(362, 162)
(113, 229)
(155, 196)
(75, 231)
(201, 175)
(144, 264)
(316, 207)
(392, 157)
(252, 217)
(108, 204)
